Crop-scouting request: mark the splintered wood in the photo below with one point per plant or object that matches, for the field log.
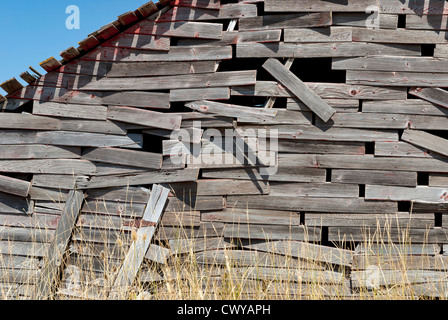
(262, 130)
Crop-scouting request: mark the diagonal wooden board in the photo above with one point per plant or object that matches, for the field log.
(49, 274)
(299, 89)
(426, 140)
(137, 250)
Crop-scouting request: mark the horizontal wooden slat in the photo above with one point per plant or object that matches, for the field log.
(61, 95)
(199, 30)
(57, 181)
(391, 63)
(139, 41)
(397, 79)
(398, 36)
(86, 139)
(26, 121)
(318, 190)
(343, 205)
(140, 179)
(377, 177)
(109, 54)
(427, 22)
(271, 233)
(418, 194)
(150, 100)
(141, 69)
(144, 117)
(317, 5)
(233, 37)
(221, 79)
(410, 106)
(322, 50)
(38, 152)
(92, 126)
(218, 187)
(438, 179)
(70, 110)
(285, 21)
(226, 11)
(424, 7)
(52, 166)
(324, 90)
(307, 35)
(229, 110)
(219, 93)
(354, 19)
(124, 157)
(252, 216)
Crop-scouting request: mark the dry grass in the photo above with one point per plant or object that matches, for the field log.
(386, 271)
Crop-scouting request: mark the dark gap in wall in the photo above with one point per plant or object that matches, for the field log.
(258, 102)
(324, 236)
(362, 190)
(423, 178)
(26, 107)
(317, 70)
(370, 147)
(428, 50)
(240, 64)
(360, 106)
(440, 133)
(438, 220)
(177, 107)
(152, 143)
(280, 103)
(302, 218)
(404, 206)
(401, 21)
(328, 176)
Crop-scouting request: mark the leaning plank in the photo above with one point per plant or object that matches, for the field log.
(70, 110)
(151, 100)
(229, 110)
(285, 21)
(418, 194)
(12, 204)
(221, 79)
(299, 89)
(318, 5)
(322, 50)
(57, 181)
(144, 117)
(50, 166)
(140, 179)
(14, 186)
(197, 30)
(434, 95)
(340, 205)
(176, 54)
(38, 151)
(26, 121)
(124, 157)
(426, 140)
(54, 258)
(137, 251)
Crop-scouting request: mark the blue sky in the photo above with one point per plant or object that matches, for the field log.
(33, 31)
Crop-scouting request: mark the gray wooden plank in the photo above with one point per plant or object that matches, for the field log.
(434, 95)
(59, 245)
(226, 11)
(70, 110)
(139, 41)
(27, 121)
(399, 36)
(36, 151)
(317, 5)
(397, 79)
(230, 110)
(324, 90)
(417, 194)
(375, 177)
(283, 21)
(424, 7)
(14, 186)
(221, 79)
(178, 95)
(308, 35)
(271, 232)
(241, 216)
(48, 166)
(410, 106)
(133, 158)
(187, 29)
(87, 139)
(151, 100)
(317, 190)
(142, 69)
(427, 141)
(299, 89)
(137, 251)
(323, 50)
(140, 179)
(233, 37)
(144, 117)
(93, 126)
(354, 19)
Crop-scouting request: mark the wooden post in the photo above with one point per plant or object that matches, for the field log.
(49, 274)
(137, 250)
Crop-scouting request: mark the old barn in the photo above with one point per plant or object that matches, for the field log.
(241, 128)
